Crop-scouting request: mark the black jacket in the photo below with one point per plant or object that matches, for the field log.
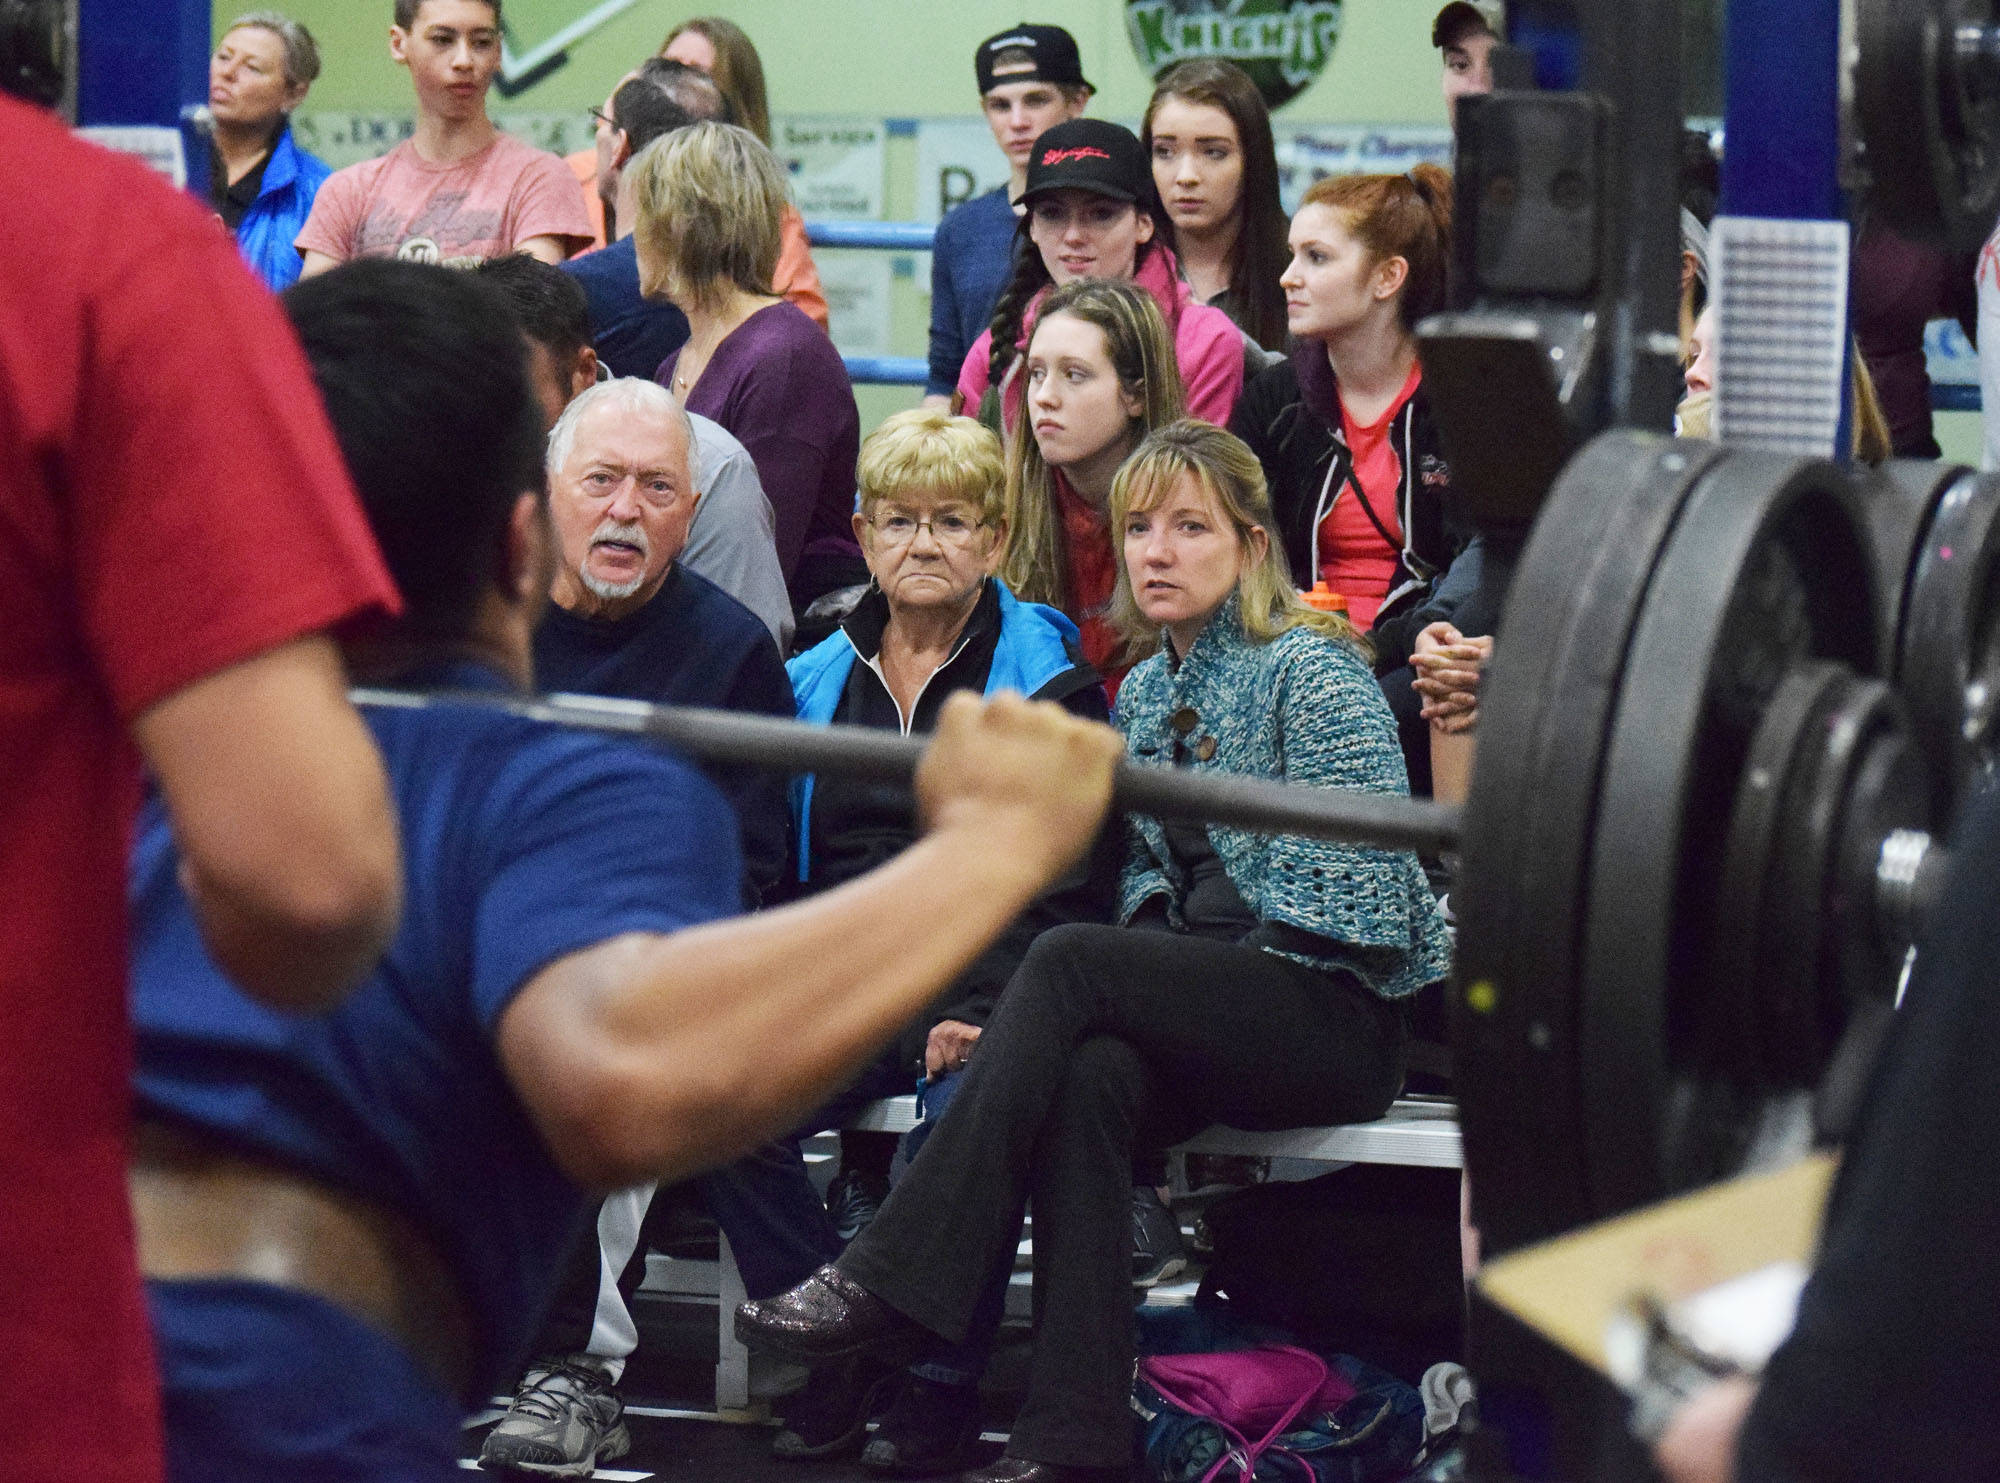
(1283, 416)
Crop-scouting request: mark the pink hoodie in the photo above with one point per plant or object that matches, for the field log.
(1207, 344)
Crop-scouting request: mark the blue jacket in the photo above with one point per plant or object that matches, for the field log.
(1037, 644)
(265, 236)
(1305, 709)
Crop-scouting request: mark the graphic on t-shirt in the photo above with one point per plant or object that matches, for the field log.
(439, 231)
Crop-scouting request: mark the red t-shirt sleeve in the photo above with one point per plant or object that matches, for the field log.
(335, 218)
(212, 516)
(550, 204)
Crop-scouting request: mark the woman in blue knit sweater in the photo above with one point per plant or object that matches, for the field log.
(1255, 981)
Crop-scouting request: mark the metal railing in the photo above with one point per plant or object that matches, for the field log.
(912, 370)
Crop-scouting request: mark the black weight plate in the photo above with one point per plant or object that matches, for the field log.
(1767, 566)
(1576, 594)
(1718, 1032)
(1926, 126)
(1898, 499)
(1804, 1011)
(1950, 638)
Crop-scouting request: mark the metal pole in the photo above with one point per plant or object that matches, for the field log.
(1256, 804)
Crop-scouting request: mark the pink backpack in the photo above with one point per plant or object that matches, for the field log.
(1247, 1393)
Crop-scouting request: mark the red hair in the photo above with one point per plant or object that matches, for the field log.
(1405, 216)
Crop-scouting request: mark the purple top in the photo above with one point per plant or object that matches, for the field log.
(778, 384)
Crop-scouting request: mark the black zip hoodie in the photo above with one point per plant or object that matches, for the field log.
(1290, 417)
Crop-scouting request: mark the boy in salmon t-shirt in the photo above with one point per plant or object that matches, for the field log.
(458, 190)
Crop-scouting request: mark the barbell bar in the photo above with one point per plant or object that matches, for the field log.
(1258, 805)
(1910, 867)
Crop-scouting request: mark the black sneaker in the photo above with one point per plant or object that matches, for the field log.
(852, 1200)
(1158, 1254)
(929, 1429)
(830, 1415)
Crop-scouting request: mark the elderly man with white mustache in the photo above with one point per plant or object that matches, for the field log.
(627, 619)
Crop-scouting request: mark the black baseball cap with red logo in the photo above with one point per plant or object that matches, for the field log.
(1090, 154)
(1030, 54)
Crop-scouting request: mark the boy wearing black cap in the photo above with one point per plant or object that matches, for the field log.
(1030, 78)
(1466, 31)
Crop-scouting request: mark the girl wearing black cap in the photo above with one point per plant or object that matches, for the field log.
(1093, 213)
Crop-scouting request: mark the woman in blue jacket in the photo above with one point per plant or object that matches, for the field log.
(932, 527)
(1255, 981)
(261, 183)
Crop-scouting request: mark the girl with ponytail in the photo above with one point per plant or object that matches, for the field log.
(1347, 442)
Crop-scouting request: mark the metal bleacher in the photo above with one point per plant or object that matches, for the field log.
(1421, 1131)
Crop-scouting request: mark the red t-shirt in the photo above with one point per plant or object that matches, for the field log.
(171, 502)
(1354, 559)
(1093, 573)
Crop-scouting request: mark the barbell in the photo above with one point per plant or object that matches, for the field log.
(1734, 697)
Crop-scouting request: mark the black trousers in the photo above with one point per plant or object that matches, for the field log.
(1107, 1040)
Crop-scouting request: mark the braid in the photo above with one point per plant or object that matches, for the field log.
(1031, 276)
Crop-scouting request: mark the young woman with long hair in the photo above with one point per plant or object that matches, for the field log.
(723, 50)
(1215, 166)
(1092, 212)
(1098, 376)
(1255, 980)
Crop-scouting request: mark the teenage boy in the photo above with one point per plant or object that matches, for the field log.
(457, 191)
(1466, 31)
(1030, 78)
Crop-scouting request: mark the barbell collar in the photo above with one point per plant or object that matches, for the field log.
(1256, 805)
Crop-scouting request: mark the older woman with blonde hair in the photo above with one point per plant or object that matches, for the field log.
(934, 620)
(1256, 981)
(708, 200)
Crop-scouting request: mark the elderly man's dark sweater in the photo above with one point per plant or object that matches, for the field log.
(693, 644)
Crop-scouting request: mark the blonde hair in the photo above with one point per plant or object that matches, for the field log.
(927, 450)
(1223, 466)
(1036, 562)
(739, 71)
(709, 198)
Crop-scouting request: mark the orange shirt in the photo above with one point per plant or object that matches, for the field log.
(1354, 558)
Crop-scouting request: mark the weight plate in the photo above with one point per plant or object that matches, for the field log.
(1767, 566)
(1924, 122)
(1549, 695)
(1897, 501)
(1950, 644)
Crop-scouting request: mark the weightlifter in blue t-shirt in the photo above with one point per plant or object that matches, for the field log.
(348, 1222)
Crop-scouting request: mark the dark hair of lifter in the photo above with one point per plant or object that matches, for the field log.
(1258, 259)
(1406, 216)
(424, 374)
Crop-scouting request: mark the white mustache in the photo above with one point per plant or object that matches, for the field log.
(625, 532)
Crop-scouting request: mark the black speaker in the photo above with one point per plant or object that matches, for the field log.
(1530, 195)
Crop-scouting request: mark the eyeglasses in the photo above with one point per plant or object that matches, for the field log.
(604, 118)
(950, 528)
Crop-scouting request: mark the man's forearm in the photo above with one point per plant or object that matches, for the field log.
(734, 1031)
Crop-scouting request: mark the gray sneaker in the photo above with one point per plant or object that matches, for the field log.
(564, 1421)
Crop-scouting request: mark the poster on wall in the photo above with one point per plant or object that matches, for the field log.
(1282, 44)
(956, 160)
(343, 139)
(857, 287)
(1311, 153)
(835, 165)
